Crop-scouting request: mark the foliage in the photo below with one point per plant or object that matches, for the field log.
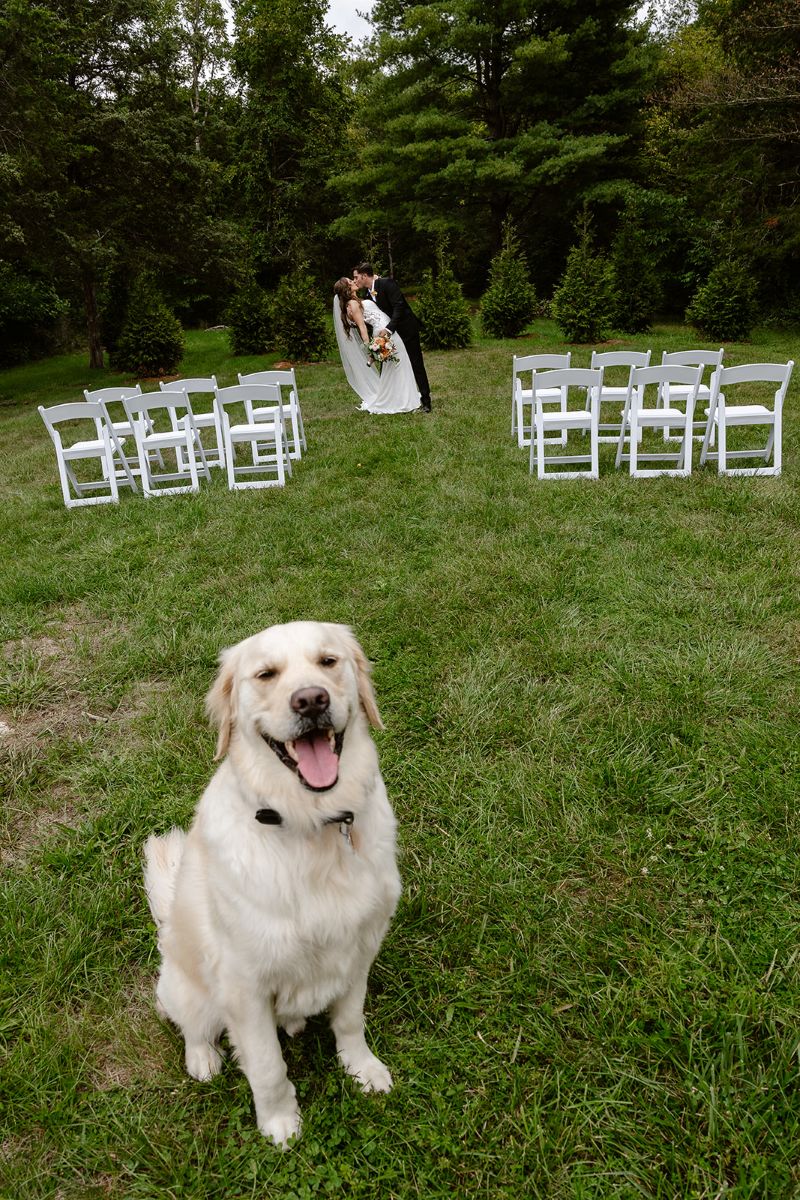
(300, 323)
(509, 303)
(487, 111)
(29, 313)
(151, 341)
(585, 301)
(249, 320)
(724, 307)
(728, 111)
(290, 136)
(638, 283)
(440, 306)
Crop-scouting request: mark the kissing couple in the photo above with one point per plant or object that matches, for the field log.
(402, 384)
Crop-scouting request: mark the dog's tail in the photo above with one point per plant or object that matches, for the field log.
(162, 857)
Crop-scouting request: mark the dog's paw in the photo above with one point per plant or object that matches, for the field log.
(369, 1072)
(203, 1061)
(281, 1128)
(294, 1027)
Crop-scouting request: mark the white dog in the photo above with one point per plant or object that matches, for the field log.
(274, 905)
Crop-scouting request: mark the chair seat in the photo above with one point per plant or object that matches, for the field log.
(87, 449)
(574, 420)
(746, 414)
(544, 394)
(204, 420)
(261, 413)
(660, 416)
(246, 433)
(164, 441)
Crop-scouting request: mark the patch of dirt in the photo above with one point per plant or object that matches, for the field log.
(128, 1047)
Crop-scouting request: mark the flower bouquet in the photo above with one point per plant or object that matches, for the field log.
(381, 350)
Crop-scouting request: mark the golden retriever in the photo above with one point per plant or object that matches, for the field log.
(275, 903)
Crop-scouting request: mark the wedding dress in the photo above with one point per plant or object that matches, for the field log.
(394, 389)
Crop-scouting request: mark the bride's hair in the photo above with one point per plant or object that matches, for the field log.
(343, 288)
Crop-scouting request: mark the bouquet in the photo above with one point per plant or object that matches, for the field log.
(381, 350)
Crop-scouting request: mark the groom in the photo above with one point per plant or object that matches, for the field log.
(390, 299)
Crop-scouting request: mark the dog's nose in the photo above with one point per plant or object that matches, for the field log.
(310, 701)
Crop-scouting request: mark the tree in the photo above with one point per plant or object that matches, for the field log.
(725, 126)
(291, 133)
(478, 109)
(585, 301)
(510, 300)
(103, 146)
(441, 308)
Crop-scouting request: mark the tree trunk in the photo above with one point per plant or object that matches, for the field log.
(92, 319)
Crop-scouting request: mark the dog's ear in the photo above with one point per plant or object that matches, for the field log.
(366, 693)
(221, 700)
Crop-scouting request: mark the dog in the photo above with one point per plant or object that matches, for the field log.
(275, 903)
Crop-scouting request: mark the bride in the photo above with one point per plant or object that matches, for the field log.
(394, 389)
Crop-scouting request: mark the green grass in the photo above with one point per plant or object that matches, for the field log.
(590, 691)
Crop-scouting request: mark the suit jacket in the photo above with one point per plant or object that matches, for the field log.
(391, 300)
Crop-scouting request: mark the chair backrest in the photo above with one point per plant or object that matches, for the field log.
(693, 358)
(141, 409)
(250, 395)
(79, 410)
(207, 383)
(284, 378)
(779, 373)
(535, 362)
(108, 395)
(665, 375)
(621, 358)
(566, 378)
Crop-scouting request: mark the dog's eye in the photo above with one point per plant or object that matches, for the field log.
(267, 673)
(328, 660)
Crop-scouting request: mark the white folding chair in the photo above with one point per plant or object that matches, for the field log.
(637, 417)
(260, 435)
(97, 447)
(608, 430)
(125, 462)
(204, 418)
(722, 415)
(289, 400)
(522, 395)
(677, 394)
(559, 422)
(182, 437)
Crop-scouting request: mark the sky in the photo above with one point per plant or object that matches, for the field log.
(343, 17)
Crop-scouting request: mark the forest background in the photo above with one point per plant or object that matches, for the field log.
(212, 148)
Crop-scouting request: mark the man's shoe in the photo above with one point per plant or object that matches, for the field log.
(425, 406)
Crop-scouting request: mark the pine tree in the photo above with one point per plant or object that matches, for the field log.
(723, 308)
(441, 308)
(509, 303)
(585, 301)
(151, 342)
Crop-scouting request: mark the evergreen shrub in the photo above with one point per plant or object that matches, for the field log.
(30, 316)
(724, 307)
(638, 282)
(300, 320)
(509, 303)
(249, 320)
(441, 308)
(585, 302)
(151, 341)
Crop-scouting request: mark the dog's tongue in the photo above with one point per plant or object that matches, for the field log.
(316, 761)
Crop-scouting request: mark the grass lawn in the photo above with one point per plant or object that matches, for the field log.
(590, 691)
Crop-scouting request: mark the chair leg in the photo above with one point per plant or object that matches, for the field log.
(722, 446)
(633, 445)
(777, 445)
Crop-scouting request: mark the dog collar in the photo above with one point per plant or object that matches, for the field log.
(271, 816)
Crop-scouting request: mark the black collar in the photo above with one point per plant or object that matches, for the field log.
(270, 816)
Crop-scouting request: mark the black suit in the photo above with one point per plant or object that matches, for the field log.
(391, 301)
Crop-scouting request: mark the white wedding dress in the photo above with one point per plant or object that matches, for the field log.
(394, 389)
